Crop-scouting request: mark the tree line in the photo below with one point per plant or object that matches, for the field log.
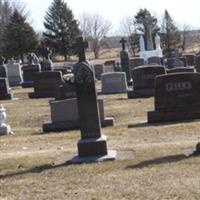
(17, 36)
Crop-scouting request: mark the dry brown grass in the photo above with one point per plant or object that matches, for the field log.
(159, 170)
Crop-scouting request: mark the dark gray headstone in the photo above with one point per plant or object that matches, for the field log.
(125, 60)
(92, 144)
(4, 89)
(177, 97)
(45, 84)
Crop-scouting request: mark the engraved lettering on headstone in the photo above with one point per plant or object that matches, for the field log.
(178, 86)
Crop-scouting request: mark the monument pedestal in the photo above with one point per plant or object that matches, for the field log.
(94, 150)
(97, 145)
(154, 53)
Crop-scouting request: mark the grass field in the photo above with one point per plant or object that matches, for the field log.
(150, 165)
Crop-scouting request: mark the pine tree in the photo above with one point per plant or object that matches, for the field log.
(19, 37)
(61, 28)
(5, 14)
(170, 35)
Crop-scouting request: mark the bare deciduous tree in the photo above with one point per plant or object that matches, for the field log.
(128, 28)
(94, 28)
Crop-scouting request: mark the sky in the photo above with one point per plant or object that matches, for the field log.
(182, 11)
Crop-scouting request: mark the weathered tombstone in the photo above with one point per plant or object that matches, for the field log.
(92, 146)
(109, 66)
(135, 62)
(174, 63)
(28, 72)
(177, 97)
(190, 59)
(197, 63)
(181, 69)
(125, 61)
(45, 84)
(114, 82)
(65, 91)
(64, 116)
(98, 70)
(5, 91)
(144, 80)
(154, 60)
(14, 73)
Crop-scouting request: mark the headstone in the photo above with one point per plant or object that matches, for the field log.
(109, 66)
(125, 61)
(178, 62)
(181, 69)
(98, 70)
(4, 128)
(3, 69)
(5, 91)
(114, 82)
(45, 84)
(190, 59)
(144, 80)
(173, 62)
(28, 72)
(135, 62)
(154, 60)
(177, 97)
(14, 73)
(64, 116)
(65, 91)
(197, 63)
(92, 146)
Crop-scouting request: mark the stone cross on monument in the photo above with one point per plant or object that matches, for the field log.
(92, 146)
(80, 46)
(148, 28)
(123, 42)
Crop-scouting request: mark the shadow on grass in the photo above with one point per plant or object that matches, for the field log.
(37, 169)
(161, 160)
(146, 124)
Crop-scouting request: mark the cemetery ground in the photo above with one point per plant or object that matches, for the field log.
(150, 165)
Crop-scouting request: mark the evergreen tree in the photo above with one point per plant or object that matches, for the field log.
(61, 28)
(170, 35)
(19, 37)
(5, 14)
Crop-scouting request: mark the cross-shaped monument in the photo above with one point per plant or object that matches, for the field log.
(80, 47)
(92, 146)
(125, 61)
(123, 42)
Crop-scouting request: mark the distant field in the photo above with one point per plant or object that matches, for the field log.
(153, 165)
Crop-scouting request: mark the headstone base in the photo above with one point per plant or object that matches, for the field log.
(174, 115)
(34, 95)
(98, 146)
(6, 96)
(72, 125)
(153, 53)
(27, 84)
(110, 156)
(143, 93)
